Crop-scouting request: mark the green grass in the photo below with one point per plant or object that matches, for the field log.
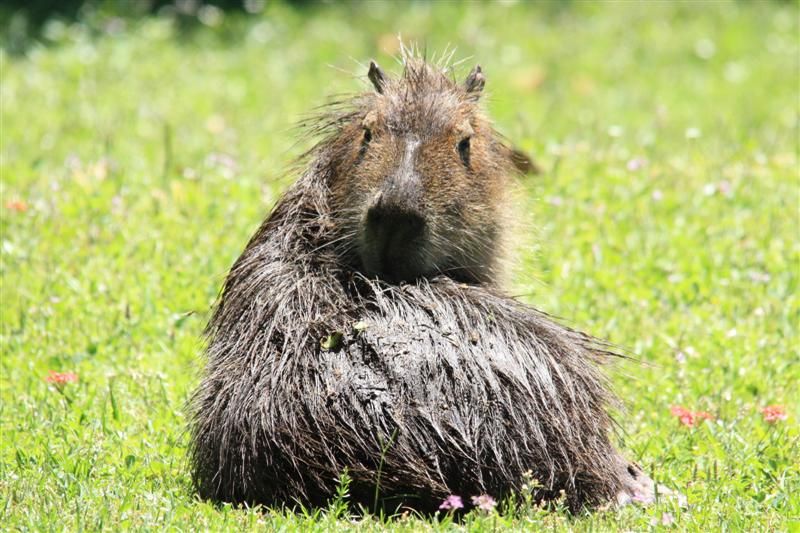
(666, 221)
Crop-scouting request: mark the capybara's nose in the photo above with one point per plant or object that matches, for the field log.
(394, 229)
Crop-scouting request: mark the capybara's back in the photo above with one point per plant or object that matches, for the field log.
(362, 329)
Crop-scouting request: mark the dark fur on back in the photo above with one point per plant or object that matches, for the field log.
(433, 388)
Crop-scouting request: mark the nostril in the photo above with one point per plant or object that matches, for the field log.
(374, 215)
(415, 222)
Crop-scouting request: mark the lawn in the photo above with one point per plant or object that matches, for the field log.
(139, 155)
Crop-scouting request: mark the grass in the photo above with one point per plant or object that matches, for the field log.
(137, 159)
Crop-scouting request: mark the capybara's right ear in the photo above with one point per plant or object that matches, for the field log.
(376, 76)
(523, 162)
(475, 80)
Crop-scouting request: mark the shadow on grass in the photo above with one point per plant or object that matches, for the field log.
(24, 22)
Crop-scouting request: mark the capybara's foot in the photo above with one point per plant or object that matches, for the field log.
(640, 489)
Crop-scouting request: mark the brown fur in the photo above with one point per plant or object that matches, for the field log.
(341, 341)
(462, 205)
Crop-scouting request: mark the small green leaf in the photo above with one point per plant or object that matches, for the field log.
(332, 342)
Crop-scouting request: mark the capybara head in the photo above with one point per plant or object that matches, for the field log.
(419, 177)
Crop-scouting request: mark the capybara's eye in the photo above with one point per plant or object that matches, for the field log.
(463, 150)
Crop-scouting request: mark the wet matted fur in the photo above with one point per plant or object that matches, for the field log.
(423, 389)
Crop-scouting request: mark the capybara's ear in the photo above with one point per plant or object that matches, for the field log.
(475, 80)
(523, 162)
(376, 76)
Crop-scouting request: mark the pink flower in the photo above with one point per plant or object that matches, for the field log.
(452, 503)
(61, 378)
(20, 206)
(683, 414)
(689, 418)
(774, 413)
(484, 502)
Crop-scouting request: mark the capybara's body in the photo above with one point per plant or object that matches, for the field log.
(347, 336)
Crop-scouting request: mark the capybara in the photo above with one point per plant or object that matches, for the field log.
(363, 328)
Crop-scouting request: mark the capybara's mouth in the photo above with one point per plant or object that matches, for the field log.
(394, 260)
